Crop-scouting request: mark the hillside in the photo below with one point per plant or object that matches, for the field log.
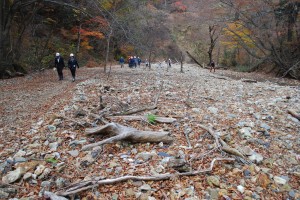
(232, 138)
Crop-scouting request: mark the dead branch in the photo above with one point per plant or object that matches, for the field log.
(224, 147)
(79, 187)
(118, 132)
(144, 118)
(294, 114)
(211, 132)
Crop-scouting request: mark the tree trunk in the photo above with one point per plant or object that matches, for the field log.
(107, 50)
(6, 17)
(181, 62)
(149, 59)
(79, 36)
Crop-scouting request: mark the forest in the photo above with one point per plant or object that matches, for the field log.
(240, 35)
(170, 127)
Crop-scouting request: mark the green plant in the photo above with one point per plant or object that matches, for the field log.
(51, 160)
(151, 118)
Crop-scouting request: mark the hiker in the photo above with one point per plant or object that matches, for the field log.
(131, 62)
(147, 63)
(135, 60)
(169, 62)
(212, 66)
(139, 61)
(59, 65)
(72, 64)
(122, 61)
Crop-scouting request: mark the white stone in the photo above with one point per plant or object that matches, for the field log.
(39, 170)
(13, 176)
(241, 188)
(279, 180)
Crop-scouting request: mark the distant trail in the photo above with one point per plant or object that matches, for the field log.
(24, 99)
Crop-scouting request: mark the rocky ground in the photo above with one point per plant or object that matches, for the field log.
(43, 124)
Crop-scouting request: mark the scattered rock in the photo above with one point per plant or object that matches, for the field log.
(213, 180)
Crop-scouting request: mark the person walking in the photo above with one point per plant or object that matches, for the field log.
(212, 66)
(59, 65)
(72, 64)
(169, 62)
(122, 61)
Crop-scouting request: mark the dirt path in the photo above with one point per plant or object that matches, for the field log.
(25, 99)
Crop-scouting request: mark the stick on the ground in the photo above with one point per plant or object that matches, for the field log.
(294, 114)
(74, 188)
(144, 118)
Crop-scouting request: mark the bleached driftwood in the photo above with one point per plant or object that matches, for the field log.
(220, 143)
(144, 118)
(118, 132)
(294, 114)
(85, 185)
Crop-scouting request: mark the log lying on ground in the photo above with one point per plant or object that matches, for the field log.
(119, 132)
(144, 118)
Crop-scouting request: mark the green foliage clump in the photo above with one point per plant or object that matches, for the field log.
(51, 160)
(151, 118)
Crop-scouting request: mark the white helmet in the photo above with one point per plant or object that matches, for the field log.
(71, 55)
(57, 54)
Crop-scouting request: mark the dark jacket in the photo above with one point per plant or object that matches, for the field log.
(72, 63)
(59, 62)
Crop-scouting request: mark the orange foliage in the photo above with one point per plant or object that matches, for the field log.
(180, 7)
(127, 49)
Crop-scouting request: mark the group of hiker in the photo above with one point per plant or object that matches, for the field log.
(133, 61)
(60, 64)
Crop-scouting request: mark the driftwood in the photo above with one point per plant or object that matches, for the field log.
(119, 132)
(220, 143)
(249, 81)
(294, 114)
(85, 185)
(144, 118)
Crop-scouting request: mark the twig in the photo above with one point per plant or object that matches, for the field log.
(211, 132)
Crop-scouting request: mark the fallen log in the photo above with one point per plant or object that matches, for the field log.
(194, 59)
(118, 132)
(144, 118)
